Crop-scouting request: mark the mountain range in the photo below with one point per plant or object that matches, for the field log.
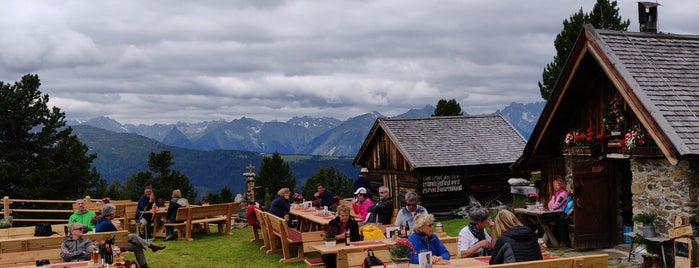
(299, 135)
(214, 154)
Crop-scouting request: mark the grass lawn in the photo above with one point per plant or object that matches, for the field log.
(236, 250)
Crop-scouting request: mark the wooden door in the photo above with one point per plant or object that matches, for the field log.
(594, 206)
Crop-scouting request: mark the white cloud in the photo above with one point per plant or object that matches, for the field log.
(152, 61)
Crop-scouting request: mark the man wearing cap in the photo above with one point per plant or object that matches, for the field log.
(363, 181)
(407, 213)
(361, 204)
(82, 215)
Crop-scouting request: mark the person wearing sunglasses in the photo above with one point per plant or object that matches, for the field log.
(75, 247)
(381, 212)
(411, 209)
(424, 239)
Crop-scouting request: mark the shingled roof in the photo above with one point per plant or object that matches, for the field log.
(446, 141)
(657, 74)
(662, 70)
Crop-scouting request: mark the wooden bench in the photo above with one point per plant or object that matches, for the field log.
(28, 231)
(260, 216)
(188, 217)
(588, 261)
(288, 238)
(25, 251)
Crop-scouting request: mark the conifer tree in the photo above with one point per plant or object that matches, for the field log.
(604, 15)
(40, 158)
(447, 108)
(274, 175)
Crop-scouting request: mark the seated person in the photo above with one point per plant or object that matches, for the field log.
(423, 238)
(343, 222)
(82, 215)
(473, 240)
(75, 247)
(517, 243)
(175, 203)
(281, 205)
(323, 197)
(382, 211)
(145, 203)
(562, 223)
(407, 213)
(361, 204)
(136, 243)
(560, 195)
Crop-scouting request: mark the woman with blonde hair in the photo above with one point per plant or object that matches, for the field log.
(516, 242)
(281, 204)
(423, 238)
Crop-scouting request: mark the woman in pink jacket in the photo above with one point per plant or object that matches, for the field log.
(361, 204)
(559, 197)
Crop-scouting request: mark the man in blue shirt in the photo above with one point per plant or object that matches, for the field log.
(323, 197)
(145, 203)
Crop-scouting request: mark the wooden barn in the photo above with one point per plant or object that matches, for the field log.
(640, 93)
(443, 159)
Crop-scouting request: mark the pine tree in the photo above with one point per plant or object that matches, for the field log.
(274, 175)
(333, 179)
(40, 158)
(447, 108)
(161, 178)
(604, 15)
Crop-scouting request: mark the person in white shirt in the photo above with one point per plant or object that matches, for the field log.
(473, 239)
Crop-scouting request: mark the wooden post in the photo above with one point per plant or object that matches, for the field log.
(6, 207)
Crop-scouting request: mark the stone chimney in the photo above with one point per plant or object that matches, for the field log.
(648, 17)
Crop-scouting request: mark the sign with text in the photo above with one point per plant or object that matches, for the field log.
(441, 184)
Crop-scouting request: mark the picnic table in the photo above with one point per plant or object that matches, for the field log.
(543, 218)
(310, 220)
(160, 218)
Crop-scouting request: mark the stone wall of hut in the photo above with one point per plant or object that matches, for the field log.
(664, 189)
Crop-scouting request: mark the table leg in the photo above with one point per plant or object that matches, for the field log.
(549, 233)
(662, 250)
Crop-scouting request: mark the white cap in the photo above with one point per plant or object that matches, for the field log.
(364, 170)
(360, 190)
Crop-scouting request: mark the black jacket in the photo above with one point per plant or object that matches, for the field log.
(516, 245)
(381, 212)
(353, 227)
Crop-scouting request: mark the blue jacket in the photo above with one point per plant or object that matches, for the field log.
(104, 225)
(143, 205)
(420, 241)
(280, 206)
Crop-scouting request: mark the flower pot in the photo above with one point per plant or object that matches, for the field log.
(400, 262)
(648, 229)
(331, 243)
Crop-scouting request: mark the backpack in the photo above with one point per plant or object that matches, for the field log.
(43, 229)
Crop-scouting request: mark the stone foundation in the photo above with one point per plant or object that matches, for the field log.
(661, 188)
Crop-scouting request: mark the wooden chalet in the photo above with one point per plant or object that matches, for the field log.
(443, 159)
(614, 82)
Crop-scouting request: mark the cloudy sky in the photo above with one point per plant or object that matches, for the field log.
(168, 61)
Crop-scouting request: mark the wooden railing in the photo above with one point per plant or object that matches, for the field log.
(8, 203)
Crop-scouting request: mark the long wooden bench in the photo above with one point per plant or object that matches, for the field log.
(288, 238)
(28, 231)
(587, 261)
(188, 217)
(25, 251)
